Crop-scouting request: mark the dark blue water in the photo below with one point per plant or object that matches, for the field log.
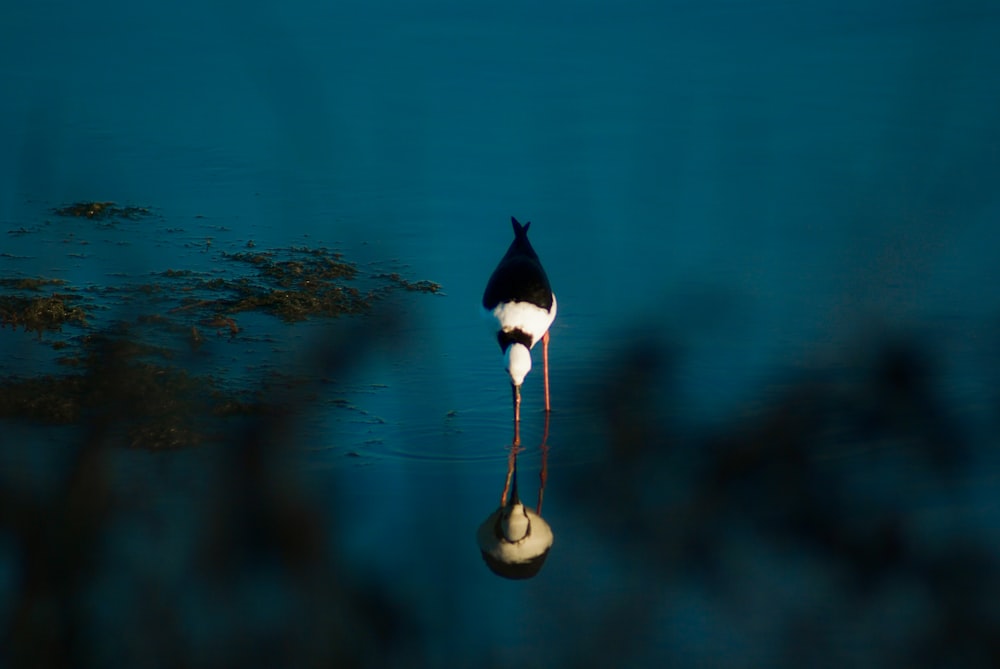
(756, 195)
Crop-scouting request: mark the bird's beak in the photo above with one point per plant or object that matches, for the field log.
(514, 499)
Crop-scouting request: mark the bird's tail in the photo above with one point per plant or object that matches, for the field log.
(520, 231)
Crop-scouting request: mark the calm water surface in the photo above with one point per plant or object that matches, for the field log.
(761, 192)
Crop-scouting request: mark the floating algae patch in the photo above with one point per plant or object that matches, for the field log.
(30, 283)
(412, 286)
(298, 283)
(102, 211)
(294, 284)
(40, 314)
(174, 358)
(41, 305)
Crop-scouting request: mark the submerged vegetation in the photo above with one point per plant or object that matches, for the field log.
(40, 314)
(142, 372)
(22, 305)
(306, 283)
(102, 211)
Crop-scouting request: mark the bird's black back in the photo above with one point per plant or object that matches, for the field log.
(519, 277)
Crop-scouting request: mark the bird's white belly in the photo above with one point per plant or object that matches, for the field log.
(523, 316)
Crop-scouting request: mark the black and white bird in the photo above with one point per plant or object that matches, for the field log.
(520, 301)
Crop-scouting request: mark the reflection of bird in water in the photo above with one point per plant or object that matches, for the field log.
(518, 296)
(514, 540)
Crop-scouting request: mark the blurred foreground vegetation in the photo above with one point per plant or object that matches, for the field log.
(847, 518)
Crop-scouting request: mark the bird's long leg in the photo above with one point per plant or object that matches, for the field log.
(545, 358)
(543, 475)
(517, 413)
(511, 466)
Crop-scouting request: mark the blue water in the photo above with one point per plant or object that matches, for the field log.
(765, 189)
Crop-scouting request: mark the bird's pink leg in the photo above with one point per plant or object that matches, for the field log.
(545, 358)
(517, 413)
(543, 475)
(511, 464)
